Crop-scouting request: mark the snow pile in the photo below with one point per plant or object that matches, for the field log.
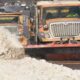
(32, 69)
(28, 68)
(9, 45)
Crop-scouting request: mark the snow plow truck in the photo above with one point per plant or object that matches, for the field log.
(51, 31)
(54, 28)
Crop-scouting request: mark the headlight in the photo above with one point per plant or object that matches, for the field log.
(47, 35)
(41, 35)
(44, 35)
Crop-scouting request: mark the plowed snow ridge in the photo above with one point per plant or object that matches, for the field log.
(9, 46)
(28, 68)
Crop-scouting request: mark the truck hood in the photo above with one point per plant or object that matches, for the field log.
(61, 20)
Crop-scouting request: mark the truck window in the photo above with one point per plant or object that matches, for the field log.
(8, 19)
(61, 12)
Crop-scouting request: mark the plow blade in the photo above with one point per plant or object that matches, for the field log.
(55, 53)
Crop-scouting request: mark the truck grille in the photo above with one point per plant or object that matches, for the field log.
(65, 29)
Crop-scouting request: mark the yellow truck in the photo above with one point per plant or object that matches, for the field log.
(14, 23)
(55, 26)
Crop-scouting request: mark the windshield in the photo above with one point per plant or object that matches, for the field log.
(8, 19)
(61, 12)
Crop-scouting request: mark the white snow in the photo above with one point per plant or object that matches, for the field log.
(28, 68)
(10, 47)
(33, 69)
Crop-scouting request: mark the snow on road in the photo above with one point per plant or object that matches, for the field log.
(28, 68)
(32, 69)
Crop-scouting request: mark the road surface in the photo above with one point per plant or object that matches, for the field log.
(71, 64)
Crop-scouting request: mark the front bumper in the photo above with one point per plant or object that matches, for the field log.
(55, 39)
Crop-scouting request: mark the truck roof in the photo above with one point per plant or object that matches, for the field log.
(58, 3)
(4, 14)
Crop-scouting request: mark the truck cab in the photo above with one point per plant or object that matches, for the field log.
(57, 21)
